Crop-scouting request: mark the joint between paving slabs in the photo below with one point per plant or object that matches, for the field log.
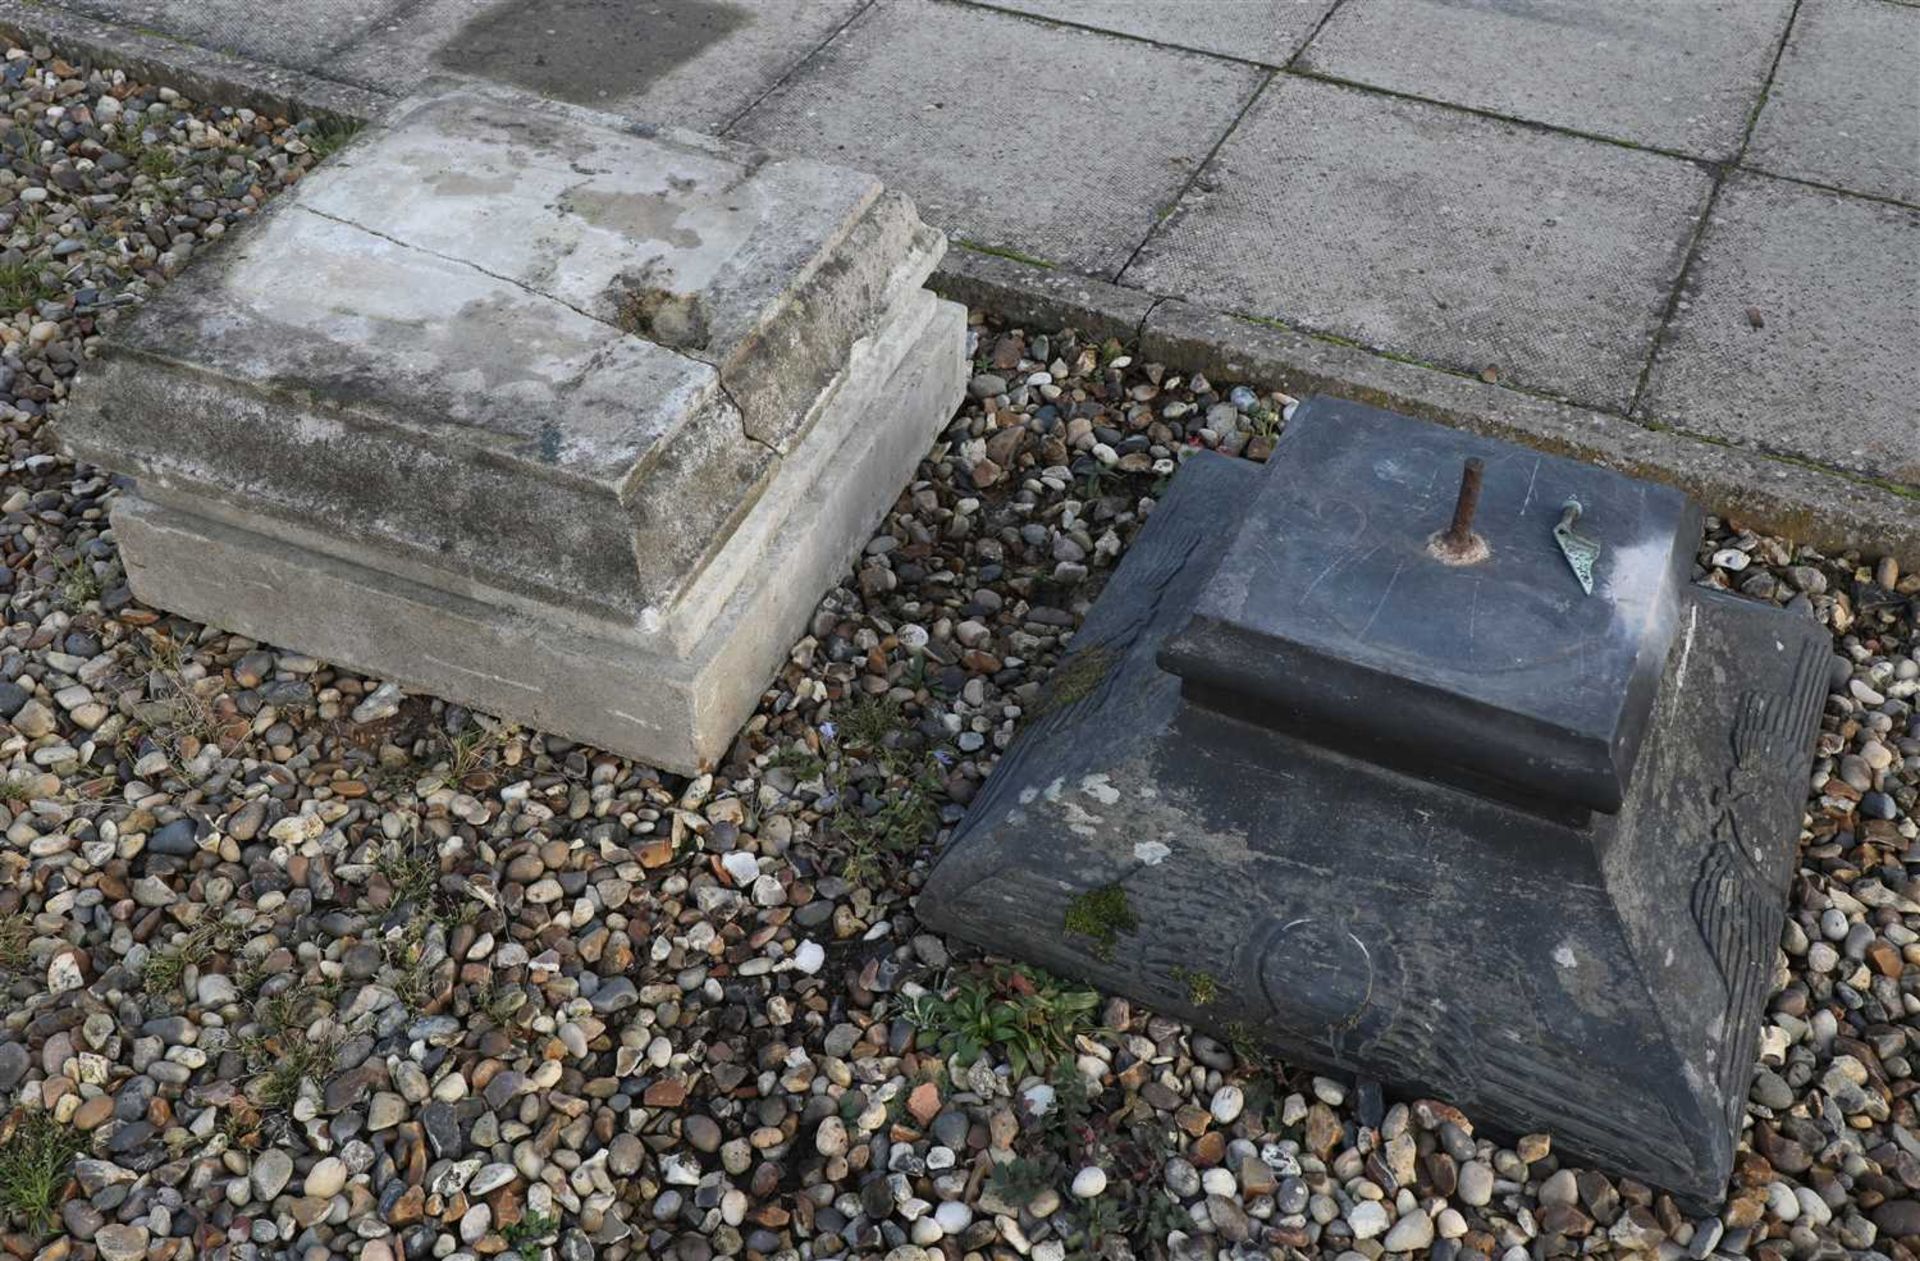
(1720, 173)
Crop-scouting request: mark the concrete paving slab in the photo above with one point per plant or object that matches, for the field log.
(1844, 108)
(1051, 142)
(1451, 238)
(1681, 76)
(686, 63)
(1800, 331)
(1268, 31)
(296, 35)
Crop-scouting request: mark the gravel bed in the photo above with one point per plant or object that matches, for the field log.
(294, 965)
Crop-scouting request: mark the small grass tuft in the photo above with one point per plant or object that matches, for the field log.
(1101, 915)
(166, 967)
(79, 586)
(906, 810)
(156, 162)
(1202, 986)
(16, 934)
(298, 1058)
(330, 135)
(36, 1163)
(869, 721)
(21, 288)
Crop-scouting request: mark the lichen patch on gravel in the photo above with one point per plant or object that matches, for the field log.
(295, 965)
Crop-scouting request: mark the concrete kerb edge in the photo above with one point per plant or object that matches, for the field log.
(1040, 297)
(200, 73)
(1801, 502)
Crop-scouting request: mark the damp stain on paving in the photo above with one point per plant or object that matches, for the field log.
(588, 51)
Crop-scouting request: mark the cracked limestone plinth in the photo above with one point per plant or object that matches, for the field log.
(519, 404)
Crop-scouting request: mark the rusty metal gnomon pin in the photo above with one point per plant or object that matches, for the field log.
(1458, 544)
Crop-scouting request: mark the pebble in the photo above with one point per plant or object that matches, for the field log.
(1089, 1182)
(1367, 1219)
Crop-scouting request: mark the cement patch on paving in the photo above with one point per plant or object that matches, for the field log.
(1672, 75)
(1799, 333)
(1268, 31)
(1051, 142)
(685, 63)
(300, 35)
(1845, 104)
(1543, 260)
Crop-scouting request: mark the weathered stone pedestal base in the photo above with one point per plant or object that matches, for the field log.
(520, 406)
(1417, 821)
(600, 684)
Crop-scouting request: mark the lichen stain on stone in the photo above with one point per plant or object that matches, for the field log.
(637, 216)
(1100, 788)
(1588, 980)
(1075, 680)
(467, 184)
(1080, 821)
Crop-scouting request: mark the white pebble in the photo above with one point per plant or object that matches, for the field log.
(810, 957)
(1089, 1182)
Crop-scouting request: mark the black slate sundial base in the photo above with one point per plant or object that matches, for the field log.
(1484, 837)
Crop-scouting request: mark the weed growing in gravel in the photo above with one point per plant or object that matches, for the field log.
(471, 756)
(36, 1160)
(165, 967)
(906, 811)
(156, 162)
(497, 1002)
(79, 586)
(16, 934)
(412, 965)
(21, 288)
(286, 1053)
(1101, 915)
(13, 790)
(905, 815)
(1021, 1014)
(175, 712)
(1019, 1181)
(524, 1236)
(868, 723)
(415, 877)
(330, 134)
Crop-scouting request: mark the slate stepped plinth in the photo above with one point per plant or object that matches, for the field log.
(1461, 827)
(521, 405)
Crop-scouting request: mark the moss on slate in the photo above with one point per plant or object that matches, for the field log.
(1101, 915)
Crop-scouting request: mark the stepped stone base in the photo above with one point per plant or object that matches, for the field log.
(636, 694)
(519, 405)
(1315, 856)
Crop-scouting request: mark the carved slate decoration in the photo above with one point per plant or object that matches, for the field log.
(1468, 830)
